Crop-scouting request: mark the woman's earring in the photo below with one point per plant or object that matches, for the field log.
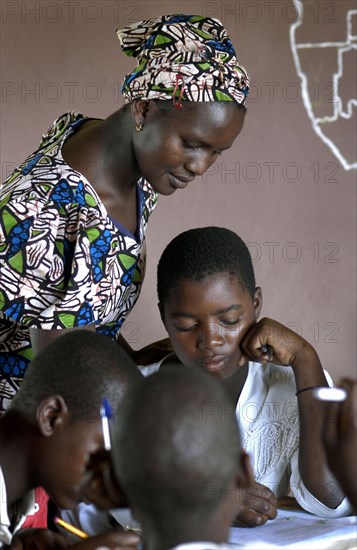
(139, 127)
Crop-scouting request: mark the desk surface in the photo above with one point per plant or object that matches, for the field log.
(296, 529)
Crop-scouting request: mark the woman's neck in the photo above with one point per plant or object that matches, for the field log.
(101, 151)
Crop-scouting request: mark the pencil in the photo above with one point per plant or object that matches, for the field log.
(70, 528)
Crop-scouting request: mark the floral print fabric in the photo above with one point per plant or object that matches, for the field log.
(183, 58)
(63, 261)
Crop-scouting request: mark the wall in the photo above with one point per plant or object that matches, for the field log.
(288, 184)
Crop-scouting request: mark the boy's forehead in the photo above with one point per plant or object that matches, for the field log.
(222, 283)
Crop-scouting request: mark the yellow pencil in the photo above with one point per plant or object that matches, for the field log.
(71, 529)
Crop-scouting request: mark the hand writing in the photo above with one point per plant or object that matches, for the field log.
(38, 539)
(259, 505)
(114, 540)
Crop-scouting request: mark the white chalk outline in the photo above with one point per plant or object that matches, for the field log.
(337, 108)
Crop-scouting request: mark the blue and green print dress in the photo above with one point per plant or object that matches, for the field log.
(63, 261)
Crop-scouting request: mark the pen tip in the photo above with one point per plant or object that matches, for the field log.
(107, 408)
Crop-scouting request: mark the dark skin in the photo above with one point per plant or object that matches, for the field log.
(340, 440)
(173, 147)
(34, 452)
(213, 325)
(214, 528)
(44, 539)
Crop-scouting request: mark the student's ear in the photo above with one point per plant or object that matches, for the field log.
(161, 310)
(50, 414)
(258, 301)
(139, 109)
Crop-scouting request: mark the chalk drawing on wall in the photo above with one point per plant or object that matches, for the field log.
(327, 70)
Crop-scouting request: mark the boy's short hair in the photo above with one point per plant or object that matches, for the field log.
(199, 253)
(82, 367)
(176, 445)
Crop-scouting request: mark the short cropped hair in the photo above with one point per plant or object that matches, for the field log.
(199, 253)
(175, 445)
(81, 366)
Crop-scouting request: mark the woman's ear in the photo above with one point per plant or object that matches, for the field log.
(51, 413)
(139, 109)
(258, 301)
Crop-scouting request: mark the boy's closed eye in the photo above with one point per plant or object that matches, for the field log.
(231, 322)
(186, 328)
(225, 322)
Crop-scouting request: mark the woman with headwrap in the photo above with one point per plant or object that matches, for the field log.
(74, 213)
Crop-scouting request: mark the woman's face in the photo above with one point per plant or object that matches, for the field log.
(175, 146)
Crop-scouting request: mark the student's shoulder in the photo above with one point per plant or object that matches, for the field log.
(277, 374)
(270, 370)
(272, 376)
(169, 360)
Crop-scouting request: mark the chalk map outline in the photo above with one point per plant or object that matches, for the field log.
(338, 111)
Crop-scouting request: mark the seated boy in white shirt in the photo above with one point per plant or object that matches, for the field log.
(210, 305)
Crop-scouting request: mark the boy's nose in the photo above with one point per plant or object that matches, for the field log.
(211, 336)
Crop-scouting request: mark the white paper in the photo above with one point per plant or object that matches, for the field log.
(299, 530)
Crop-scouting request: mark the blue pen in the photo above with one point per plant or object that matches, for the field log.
(106, 414)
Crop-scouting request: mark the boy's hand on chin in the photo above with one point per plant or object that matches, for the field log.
(269, 341)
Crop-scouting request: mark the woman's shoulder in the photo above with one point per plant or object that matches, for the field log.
(70, 119)
(148, 197)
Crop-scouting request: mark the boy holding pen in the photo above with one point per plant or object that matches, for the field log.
(210, 306)
(52, 436)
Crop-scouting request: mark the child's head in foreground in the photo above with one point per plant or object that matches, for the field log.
(177, 455)
(208, 298)
(59, 404)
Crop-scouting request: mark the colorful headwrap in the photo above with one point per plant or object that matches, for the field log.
(183, 58)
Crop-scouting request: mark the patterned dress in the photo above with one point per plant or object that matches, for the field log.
(63, 261)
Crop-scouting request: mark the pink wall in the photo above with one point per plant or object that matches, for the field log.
(281, 187)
